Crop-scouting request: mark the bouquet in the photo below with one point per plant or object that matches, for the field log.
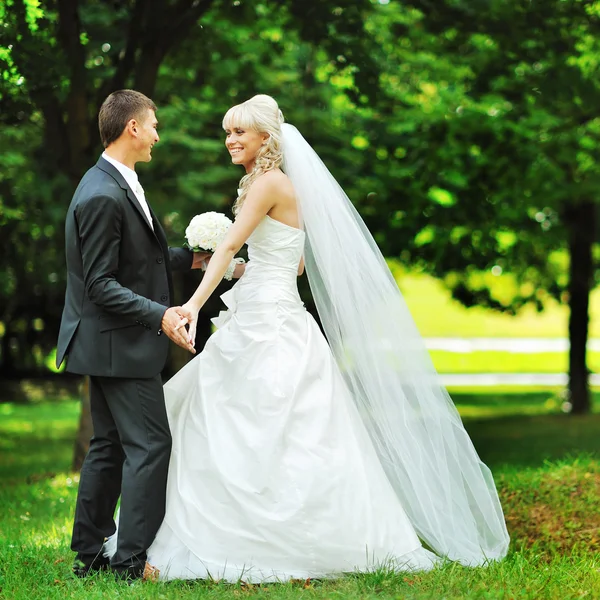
(206, 231)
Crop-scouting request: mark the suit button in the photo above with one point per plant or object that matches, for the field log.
(164, 298)
(159, 260)
(159, 332)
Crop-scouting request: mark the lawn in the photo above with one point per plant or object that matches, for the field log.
(492, 361)
(547, 467)
(438, 315)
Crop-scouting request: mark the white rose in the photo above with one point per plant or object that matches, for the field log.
(207, 230)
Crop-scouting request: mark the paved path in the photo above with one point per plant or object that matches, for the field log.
(518, 345)
(520, 379)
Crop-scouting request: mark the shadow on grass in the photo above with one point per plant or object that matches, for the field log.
(551, 512)
(529, 441)
(527, 429)
(37, 439)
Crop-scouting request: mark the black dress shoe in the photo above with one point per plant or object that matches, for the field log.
(130, 573)
(84, 568)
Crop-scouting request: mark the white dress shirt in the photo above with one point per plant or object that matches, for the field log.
(133, 182)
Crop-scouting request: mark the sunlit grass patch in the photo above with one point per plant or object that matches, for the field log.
(547, 468)
(506, 362)
(438, 315)
(522, 575)
(555, 508)
(507, 401)
(514, 442)
(34, 437)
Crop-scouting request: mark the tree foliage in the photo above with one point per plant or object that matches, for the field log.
(465, 131)
(509, 160)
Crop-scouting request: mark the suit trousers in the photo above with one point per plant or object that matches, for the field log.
(128, 457)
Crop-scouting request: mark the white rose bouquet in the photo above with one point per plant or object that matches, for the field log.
(206, 231)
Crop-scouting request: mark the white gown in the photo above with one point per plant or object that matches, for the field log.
(273, 475)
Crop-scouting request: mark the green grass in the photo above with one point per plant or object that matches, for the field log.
(34, 438)
(438, 315)
(492, 361)
(547, 468)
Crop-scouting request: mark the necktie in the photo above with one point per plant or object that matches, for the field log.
(139, 192)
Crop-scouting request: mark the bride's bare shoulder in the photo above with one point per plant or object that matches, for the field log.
(278, 181)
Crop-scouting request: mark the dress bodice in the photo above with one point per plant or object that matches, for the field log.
(276, 244)
(274, 251)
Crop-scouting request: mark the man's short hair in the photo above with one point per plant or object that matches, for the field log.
(118, 109)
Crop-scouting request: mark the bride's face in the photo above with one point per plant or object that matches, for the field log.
(243, 145)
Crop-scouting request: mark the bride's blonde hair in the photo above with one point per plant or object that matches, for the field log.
(261, 114)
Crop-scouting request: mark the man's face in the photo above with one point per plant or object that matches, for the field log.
(145, 135)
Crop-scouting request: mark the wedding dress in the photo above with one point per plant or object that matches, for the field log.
(296, 456)
(273, 475)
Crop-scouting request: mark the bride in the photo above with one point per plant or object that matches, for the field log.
(297, 458)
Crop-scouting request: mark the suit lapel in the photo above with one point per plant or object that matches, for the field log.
(114, 173)
(133, 199)
(162, 240)
(159, 232)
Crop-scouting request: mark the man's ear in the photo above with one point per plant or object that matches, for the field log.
(132, 127)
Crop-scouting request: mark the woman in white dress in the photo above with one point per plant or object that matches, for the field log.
(294, 458)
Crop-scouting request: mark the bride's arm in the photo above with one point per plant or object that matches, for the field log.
(259, 201)
(239, 270)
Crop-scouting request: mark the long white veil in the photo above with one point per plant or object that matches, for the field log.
(447, 492)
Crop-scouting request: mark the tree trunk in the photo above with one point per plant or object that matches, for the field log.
(582, 234)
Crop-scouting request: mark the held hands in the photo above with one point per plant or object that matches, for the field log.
(188, 313)
(191, 319)
(173, 324)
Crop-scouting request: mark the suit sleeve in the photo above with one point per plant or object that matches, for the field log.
(181, 259)
(99, 220)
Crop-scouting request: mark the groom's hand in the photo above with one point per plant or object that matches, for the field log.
(198, 262)
(171, 324)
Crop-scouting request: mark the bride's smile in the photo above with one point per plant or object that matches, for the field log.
(243, 146)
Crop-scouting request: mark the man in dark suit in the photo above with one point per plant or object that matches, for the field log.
(115, 328)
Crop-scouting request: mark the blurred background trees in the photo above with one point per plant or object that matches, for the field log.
(464, 130)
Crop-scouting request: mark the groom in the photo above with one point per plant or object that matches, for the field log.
(114, 328)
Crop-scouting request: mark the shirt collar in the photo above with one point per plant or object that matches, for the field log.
(129, 174)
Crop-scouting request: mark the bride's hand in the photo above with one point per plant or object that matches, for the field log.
(189, 315)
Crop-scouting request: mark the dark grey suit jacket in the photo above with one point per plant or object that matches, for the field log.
(118, 281)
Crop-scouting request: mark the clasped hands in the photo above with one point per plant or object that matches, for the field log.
(177, 317)
(174, 321)
(173, 324)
